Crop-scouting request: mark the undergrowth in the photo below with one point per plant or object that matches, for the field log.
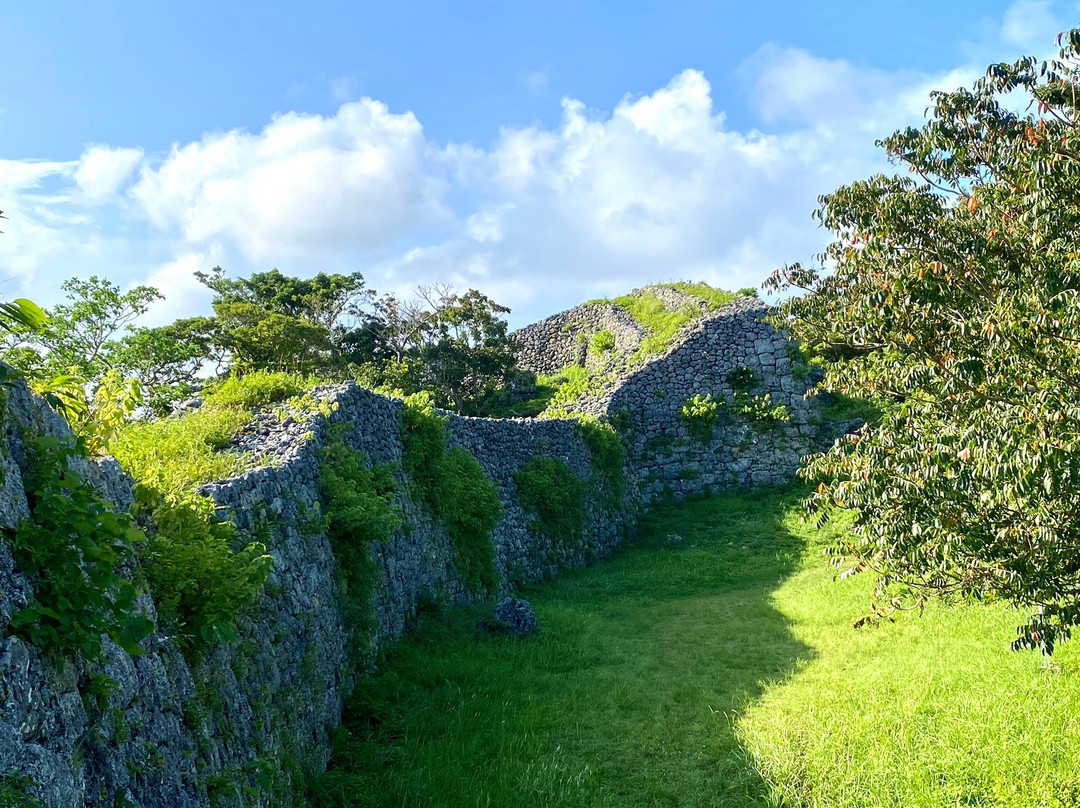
(201, 571)
(257, 389)
(453, 484)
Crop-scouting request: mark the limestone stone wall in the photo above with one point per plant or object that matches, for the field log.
(563, 339)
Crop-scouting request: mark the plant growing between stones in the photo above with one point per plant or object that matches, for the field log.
(700, 413)
(199, 570)
(601, 342)
(454, 485)
(73, 547)
(550, 491)
(607, 456)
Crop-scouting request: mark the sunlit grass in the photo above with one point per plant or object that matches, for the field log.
(721, 669)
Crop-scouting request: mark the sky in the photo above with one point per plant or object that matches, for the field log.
(544, 154)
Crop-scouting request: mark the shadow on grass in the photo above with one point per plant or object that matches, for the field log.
(628, 697)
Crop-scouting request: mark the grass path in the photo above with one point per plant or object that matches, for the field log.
(721, 670)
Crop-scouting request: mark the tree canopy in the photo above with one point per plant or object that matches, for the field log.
(951, 296)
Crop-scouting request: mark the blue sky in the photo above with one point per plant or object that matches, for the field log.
(543, 153)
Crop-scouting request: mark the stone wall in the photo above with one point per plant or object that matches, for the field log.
(245, 724)
(668, 457)
(563, 339)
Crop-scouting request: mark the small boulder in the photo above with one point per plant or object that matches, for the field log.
(516, 615)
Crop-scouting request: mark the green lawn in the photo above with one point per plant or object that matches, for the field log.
(722, 670)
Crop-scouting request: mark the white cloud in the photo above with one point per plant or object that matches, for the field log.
(183, 295)
(305, 183)
(1028, 24)
(103, 170)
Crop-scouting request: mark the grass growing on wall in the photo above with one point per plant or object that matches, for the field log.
(550, 492)
(360, 509)
(715, 298)
(456, 488)
(661, 324)
(719, 671)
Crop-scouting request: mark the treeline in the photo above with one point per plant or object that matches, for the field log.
(89, 355)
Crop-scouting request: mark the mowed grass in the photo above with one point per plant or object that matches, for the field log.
(719, 670)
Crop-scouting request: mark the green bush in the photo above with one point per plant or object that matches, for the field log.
(456, 488)
(606, 457)
(200, 583)
(601, 342)
(72, 547)
(199, 577)
(360, 509)
(700, 413)
(759, 409)
(554, 495)
(257, 389)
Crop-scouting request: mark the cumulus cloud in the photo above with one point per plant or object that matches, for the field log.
(101, 170)
(358, 179)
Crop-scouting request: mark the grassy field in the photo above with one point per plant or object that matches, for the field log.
(719, 670)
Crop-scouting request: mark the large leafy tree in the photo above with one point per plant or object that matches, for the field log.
(81, 335)
(953, 296)
(455, 346)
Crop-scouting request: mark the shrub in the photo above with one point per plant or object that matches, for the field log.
(456, 488)
(742, 378)
(72, 547)
(199, 581)
(701, 412)
(606, 457)
(360, 509)
(555, 496)
(601, 342)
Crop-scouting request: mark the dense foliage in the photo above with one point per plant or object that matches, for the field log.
(73, 547)
(456, 488)
(200, 578)
(952, 299)
(359, 509)
(550, 491)
(607, 457)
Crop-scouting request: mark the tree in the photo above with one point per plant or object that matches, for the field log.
(80, 337)
(953, 298)
(455, 346)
